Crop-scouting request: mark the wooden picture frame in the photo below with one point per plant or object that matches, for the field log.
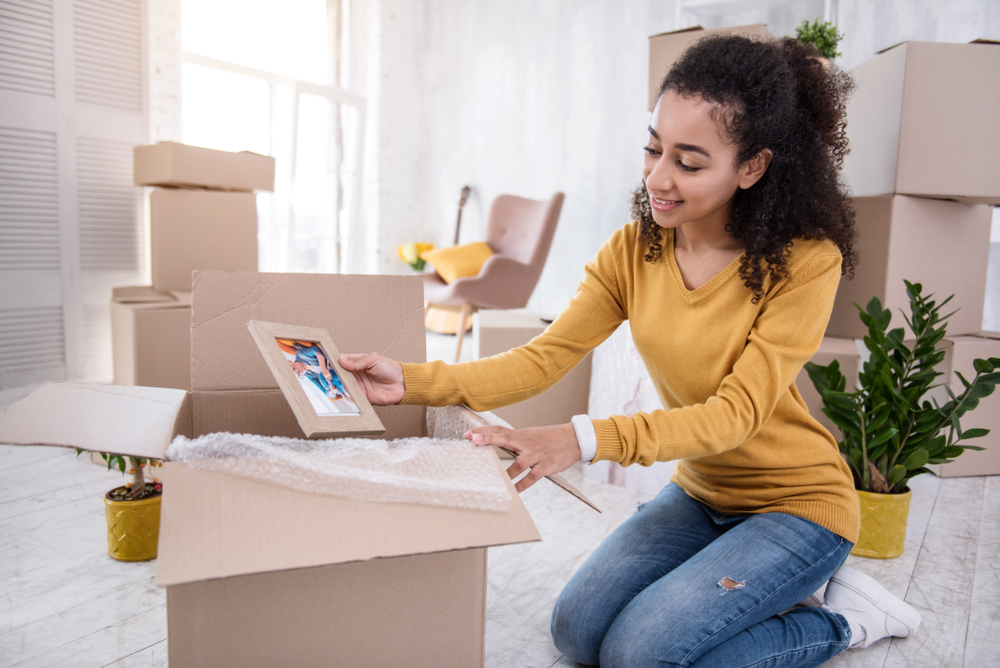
(326, 399)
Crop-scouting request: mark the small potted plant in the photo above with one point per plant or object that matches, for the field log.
(133, 509)
(891, 430)
(824, 36)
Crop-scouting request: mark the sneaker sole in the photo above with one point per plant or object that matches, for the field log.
(866, 586)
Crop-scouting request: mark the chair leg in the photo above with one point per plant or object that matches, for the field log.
(460, 333)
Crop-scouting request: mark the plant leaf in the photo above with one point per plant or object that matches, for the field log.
(917, 459)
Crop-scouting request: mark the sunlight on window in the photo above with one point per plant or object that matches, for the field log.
(225, 111)
(306, 223)
(287, 37)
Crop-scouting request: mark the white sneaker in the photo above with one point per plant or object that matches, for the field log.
(869, 608)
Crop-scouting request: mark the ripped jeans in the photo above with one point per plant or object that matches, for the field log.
(678, 584)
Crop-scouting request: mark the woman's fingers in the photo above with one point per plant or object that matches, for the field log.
(380, 377)
(541, 451)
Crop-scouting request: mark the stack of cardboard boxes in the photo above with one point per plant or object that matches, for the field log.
(203, 215)
(924, 134)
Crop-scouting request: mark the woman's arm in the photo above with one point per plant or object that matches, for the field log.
(785, 335)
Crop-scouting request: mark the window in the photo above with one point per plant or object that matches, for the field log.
(274, 78)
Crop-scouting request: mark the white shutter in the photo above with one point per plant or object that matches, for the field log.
(29, 201)
(72, 106)
(109, 207)
(27, 61)
(108, 55)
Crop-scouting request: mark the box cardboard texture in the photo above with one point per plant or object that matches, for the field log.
(200, 229)
(179, 165)
(942, 245)
(965, 349)
(497, 332)
(667, 47)
(151, 338)
(924, 121)
(262, 575)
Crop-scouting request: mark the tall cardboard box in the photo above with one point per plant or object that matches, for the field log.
(497, 331)
(667, 47)
(924, 121)
(151, 338)
(845, 352)
(179, 165)
(965, 349)
(262, 575)
(942, 245)
(200, 229)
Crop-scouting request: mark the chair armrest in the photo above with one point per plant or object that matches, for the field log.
(502, 282)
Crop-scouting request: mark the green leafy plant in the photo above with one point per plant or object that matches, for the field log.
(138, 488)
(824, 36)
(891, 430)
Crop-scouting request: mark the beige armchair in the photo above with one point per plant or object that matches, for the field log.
(520, 233)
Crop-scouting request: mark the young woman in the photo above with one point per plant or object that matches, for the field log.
(727, 276)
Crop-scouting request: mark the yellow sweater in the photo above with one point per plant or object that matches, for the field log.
(723, 366)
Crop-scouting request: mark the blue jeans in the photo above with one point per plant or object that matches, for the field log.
(678, 584)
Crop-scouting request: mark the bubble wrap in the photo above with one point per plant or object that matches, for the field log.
(431, 471)
(453, 421)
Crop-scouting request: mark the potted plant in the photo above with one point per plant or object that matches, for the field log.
(133, 509)
(824, 36)
(891, 430)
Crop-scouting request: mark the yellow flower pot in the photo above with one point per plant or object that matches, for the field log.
(883, 525)
(133, 528)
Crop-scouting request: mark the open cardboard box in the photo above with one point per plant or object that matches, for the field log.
(924, 121)
(151, 337)
(262, 575)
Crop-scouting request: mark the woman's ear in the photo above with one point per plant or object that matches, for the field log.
(754, 168)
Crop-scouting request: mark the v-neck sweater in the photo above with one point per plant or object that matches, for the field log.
(723, 366)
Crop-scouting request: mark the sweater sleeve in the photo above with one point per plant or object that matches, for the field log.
(592, 315)
(786, 334)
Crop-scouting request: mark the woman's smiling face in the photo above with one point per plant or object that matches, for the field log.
(690, 167)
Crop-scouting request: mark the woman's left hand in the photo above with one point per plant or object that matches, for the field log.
(544, 450)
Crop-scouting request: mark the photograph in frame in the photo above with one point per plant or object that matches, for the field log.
(325, 398)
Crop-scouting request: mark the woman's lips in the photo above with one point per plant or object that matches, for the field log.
(664, 204)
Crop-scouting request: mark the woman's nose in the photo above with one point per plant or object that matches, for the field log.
(661, 177)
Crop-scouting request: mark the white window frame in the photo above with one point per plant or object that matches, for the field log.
(299, 87)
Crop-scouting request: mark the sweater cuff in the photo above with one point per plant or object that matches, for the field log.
(609, 443)
(416, 383)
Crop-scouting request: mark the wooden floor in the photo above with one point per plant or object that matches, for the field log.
(64, 602)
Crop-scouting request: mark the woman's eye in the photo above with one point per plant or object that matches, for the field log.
(650, 150)
(687, 168)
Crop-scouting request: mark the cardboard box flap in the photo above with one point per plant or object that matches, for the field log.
(137, 421)
(361, 313)
(140, 294)
(216, 526)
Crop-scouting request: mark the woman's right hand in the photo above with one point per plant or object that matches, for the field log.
(380, 377)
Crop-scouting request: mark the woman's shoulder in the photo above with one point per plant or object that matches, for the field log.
(807, 251)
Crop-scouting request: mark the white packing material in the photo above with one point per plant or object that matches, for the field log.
(431, 471)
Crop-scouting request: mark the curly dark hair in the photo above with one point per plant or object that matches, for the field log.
(771, 95)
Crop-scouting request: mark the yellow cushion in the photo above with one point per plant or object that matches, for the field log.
(458, 261)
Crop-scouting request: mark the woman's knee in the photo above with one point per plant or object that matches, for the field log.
(575, 630)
